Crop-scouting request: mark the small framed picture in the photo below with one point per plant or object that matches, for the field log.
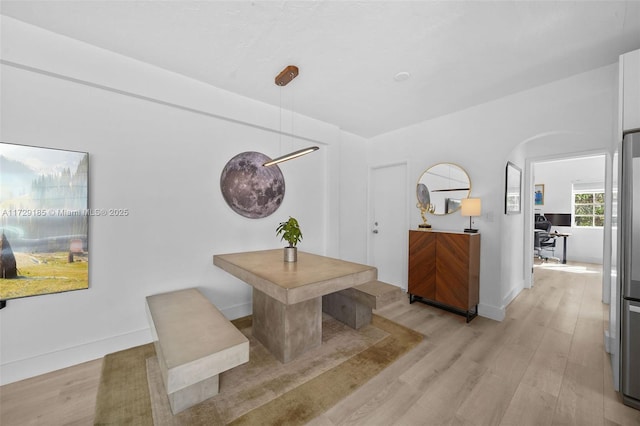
(538, 194)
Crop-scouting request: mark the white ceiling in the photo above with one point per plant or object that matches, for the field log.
(459, 53)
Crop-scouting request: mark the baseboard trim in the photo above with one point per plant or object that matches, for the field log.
(587, 259)
(609, 342)
(237, 311)
(513, 293)
(14, 371)
(499, 313)
(491, 312)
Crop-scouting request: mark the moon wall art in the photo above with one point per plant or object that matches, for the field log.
(249, 188)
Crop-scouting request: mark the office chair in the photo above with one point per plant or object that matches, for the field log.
(544, 240)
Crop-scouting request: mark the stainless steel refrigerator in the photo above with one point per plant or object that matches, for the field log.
(629, 269)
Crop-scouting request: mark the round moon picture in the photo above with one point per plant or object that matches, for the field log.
(249, 188)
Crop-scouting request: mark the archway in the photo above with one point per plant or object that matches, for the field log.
(550, 146)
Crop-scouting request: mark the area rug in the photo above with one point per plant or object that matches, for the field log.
(262, 391)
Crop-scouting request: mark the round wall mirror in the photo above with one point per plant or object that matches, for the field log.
(441, 188)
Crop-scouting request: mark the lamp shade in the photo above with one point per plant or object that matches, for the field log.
(471, 207)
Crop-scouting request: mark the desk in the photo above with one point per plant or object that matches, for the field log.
(287, 296)
(564, 243)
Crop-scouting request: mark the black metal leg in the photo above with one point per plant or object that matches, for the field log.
(472, 315)
(564, 250)
(468, 314)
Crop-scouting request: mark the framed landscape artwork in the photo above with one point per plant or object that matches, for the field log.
(512, 192)
(44, 196)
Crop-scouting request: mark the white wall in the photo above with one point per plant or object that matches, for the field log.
(163, 163)
(482, 139)
(353, 189)
(585, 244)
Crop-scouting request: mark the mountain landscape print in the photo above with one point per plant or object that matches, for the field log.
(44, 221)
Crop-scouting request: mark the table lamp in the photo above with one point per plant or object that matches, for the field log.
(471, 207)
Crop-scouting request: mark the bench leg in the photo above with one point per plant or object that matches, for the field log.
(187, 397)
(346, 310)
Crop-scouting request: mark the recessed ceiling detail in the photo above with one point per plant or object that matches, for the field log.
(402, 76)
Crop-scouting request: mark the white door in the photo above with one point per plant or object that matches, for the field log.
(388, 228)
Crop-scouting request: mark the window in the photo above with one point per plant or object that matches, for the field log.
(588, 205)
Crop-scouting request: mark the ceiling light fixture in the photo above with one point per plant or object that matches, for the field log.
(402, 76)
(282, 79)
(291, 156)
(286, 75)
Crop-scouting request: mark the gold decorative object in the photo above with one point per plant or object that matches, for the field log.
(424, 204)
(424, 209)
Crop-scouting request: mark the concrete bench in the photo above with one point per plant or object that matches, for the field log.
(353, 306)
(194, 344)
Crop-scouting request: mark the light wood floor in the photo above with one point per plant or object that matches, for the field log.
(543, 365)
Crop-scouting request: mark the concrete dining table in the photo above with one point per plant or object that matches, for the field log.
(287, 296)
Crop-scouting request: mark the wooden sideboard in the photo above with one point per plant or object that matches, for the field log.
(444, 270)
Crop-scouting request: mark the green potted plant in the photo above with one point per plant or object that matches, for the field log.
(291, 233)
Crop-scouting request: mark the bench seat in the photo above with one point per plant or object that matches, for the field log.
(353, 306)
(194, 343)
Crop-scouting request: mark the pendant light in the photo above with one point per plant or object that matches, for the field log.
(282, 79)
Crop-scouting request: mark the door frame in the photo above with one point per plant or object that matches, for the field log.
(405, 219)
(529, 214)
